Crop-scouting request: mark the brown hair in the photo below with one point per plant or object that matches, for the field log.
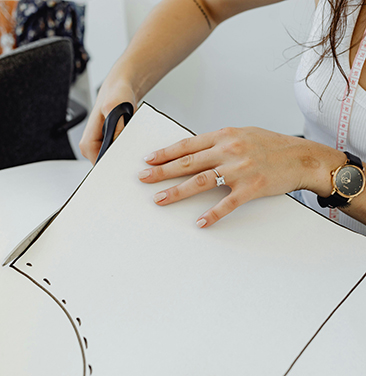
(333, 33)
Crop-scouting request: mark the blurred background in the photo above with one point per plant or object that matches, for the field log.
(242, 75)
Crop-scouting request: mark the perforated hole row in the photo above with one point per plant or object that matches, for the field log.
(78, 320)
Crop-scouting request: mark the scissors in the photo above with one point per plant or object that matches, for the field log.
(124, 109)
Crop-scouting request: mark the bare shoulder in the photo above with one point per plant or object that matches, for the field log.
(316, 3)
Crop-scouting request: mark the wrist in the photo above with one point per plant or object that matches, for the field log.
(115, 90)
(328, 159)
(123, 78)
(133, 71)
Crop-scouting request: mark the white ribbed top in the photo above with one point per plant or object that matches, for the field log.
(321, 120)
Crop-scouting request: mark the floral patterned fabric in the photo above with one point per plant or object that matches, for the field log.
(7, 25)
(37, 19)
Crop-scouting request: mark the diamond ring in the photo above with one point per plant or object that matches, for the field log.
(220, 180)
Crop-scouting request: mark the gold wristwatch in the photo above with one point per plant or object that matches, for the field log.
(348, 182)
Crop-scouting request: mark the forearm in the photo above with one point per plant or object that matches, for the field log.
(172, 31)
(168, 35)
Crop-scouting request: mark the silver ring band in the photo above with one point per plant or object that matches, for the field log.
(220, 180)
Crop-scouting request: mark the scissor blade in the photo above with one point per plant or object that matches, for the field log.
(29, 239)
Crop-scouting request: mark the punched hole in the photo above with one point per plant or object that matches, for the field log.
(79, 321)
(90, 369)
(47, 281)
(63, 301)
(86, 343)
(29, 264)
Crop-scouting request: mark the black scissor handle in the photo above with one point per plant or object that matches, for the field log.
(124, 109)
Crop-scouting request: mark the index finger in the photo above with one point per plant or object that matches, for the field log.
(181, 148)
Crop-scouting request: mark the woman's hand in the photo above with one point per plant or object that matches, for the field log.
(110, 95)
(255, 163)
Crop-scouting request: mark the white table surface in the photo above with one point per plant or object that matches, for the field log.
(30, 193)
(34, 341)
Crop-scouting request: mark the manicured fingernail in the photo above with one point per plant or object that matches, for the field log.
(201, 222)
(160, 196)
(149, 157)
(144, 174)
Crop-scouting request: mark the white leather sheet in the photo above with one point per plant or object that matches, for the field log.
(340, 347)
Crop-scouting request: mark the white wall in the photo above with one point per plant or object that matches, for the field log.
(233, 79)
(106, 37)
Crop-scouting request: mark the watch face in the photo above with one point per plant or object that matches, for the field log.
(349, 181)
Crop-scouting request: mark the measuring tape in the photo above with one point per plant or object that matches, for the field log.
(346, 107)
